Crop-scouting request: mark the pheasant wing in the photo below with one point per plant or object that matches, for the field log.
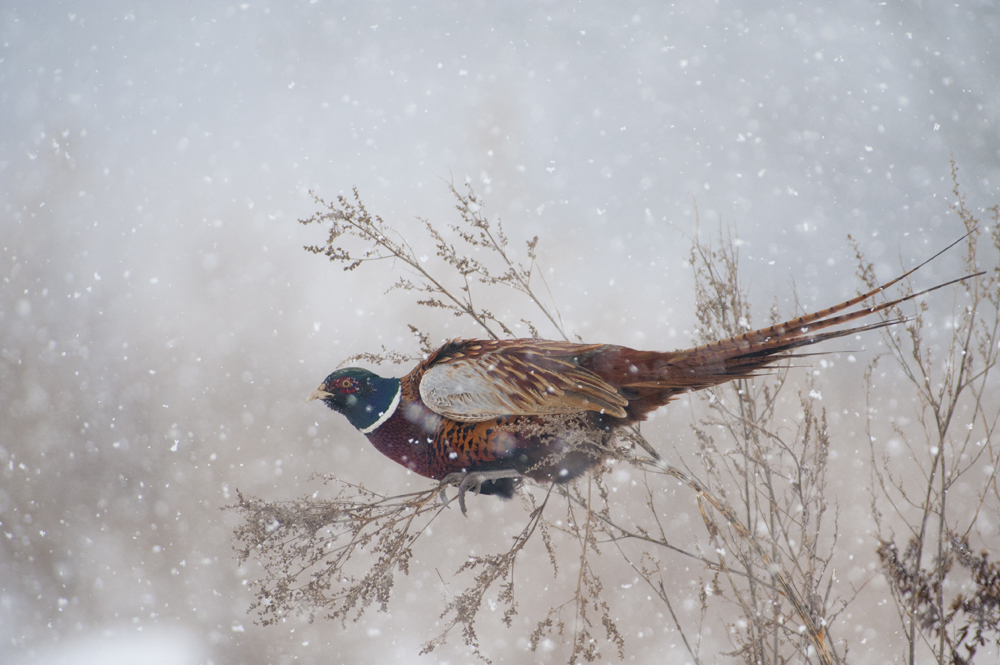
(485, 380)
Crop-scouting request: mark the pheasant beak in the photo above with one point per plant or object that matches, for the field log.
(319, 393)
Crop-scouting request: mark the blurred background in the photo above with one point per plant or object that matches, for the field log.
(161, 326)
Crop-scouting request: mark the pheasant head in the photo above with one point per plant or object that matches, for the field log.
(366, 399)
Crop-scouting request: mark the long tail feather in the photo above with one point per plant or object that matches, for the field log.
(743, 355)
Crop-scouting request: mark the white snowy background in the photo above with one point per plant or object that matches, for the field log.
(160, 325)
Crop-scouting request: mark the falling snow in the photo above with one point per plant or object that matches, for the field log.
(160, 326)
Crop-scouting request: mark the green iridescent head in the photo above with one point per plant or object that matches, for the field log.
(366, 399)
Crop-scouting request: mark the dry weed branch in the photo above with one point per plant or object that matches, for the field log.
(309, 549)
(951, 376)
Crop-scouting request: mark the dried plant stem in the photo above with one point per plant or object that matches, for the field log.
(945, 387)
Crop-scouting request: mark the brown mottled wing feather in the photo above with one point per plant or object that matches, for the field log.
(476, 381)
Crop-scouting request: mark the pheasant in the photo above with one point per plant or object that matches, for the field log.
(489, 412)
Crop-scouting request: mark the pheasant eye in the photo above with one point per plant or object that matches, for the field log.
(347, 385)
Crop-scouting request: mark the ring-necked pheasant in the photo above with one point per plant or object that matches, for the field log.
(496, 410)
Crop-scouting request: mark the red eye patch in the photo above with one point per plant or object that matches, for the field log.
(346, 385)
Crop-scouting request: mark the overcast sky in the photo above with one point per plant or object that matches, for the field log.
(160, 324)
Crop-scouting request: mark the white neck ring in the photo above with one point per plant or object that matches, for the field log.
(386, 414)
